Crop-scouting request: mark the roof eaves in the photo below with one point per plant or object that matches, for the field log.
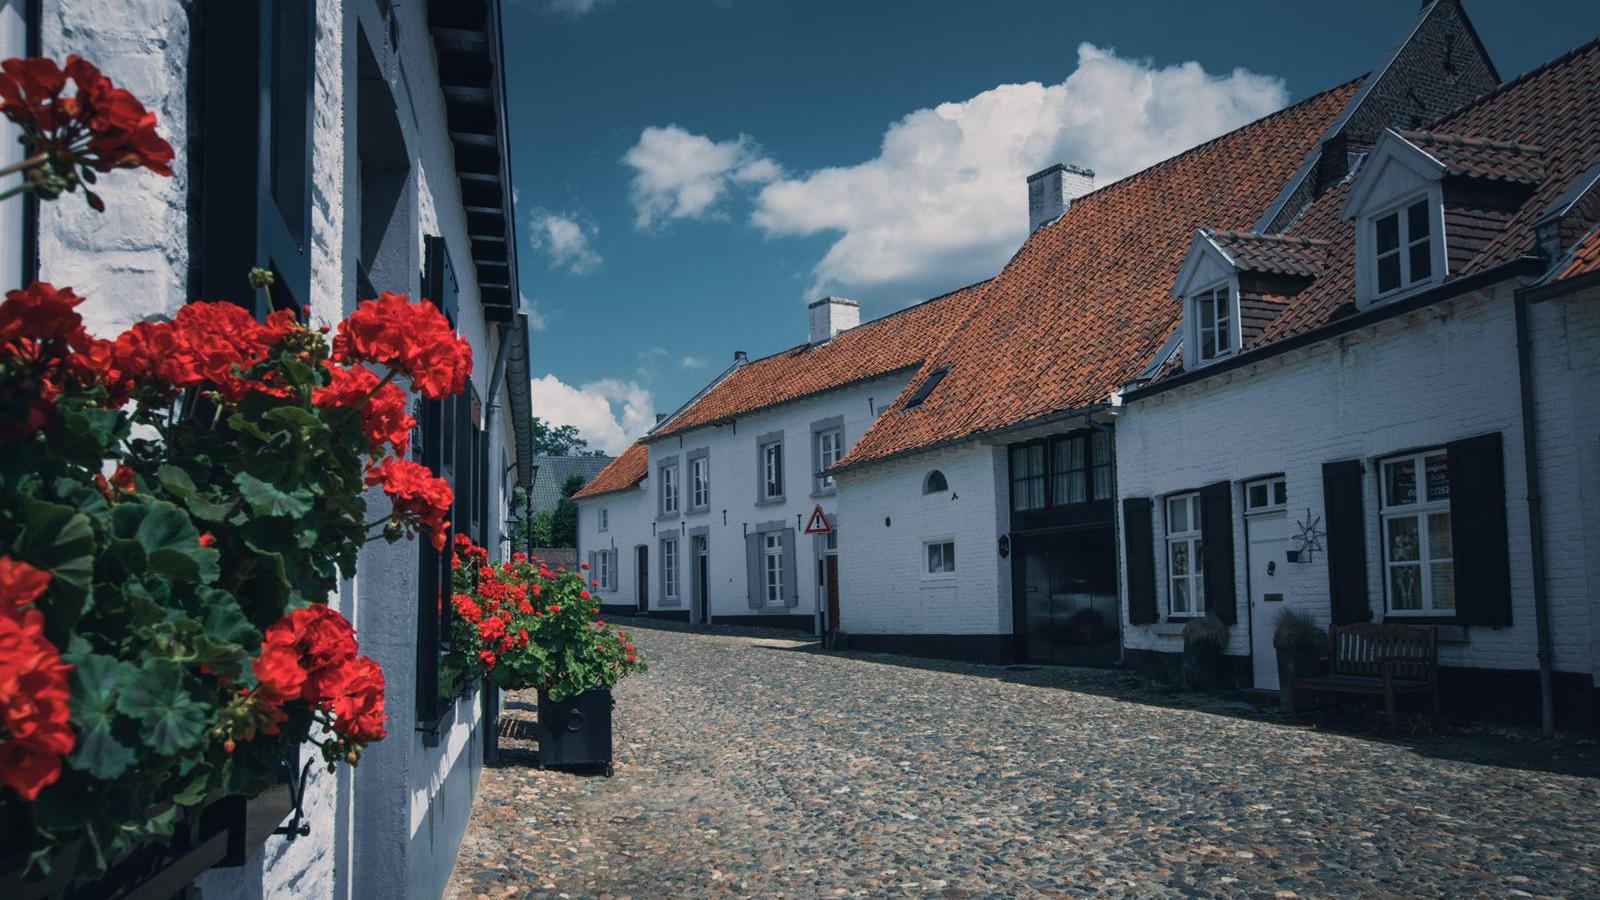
(1519, 267)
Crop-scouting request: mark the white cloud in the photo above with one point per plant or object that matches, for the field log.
(610, 414)
(564, 239)
(679, 175)
(574, 8)
(692, 362)
(944, 202)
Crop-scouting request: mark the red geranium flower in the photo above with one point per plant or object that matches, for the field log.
(357, 701)
(418, 496)
(414, 339)
(383, 410)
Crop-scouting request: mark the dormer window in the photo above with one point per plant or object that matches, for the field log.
(1403, 246)
(1213, 317)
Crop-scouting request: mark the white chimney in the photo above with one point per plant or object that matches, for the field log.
(831, 315)
(1051, 191)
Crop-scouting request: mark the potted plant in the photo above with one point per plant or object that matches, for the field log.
(1301, 645)
(1203, 640)
(522, 625)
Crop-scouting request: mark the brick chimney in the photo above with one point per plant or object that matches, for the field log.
(831, 315)
(1052, 190)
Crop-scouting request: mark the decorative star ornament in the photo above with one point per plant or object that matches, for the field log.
(1310, 535)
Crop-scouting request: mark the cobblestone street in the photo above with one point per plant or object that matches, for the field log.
(753, 764)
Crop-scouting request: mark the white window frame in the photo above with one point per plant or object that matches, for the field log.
(772, 470)
(669, 490)
(699, 482)
(1225, 325)
(828, 455)
(1367, 291)
(772, 568)
(943, 566)
(605, 522)
(1276, 490)
(669, 568)
(1423, 511)
(604, 576)
(1402, 213)
(1190, 540)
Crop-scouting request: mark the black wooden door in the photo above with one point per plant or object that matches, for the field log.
(1068, 603)
(644, 577)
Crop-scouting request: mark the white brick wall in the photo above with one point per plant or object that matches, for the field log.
(888, 521)
(392, 829)
(733, 507)
(1420, 380)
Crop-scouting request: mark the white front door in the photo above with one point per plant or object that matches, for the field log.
(1268, 535)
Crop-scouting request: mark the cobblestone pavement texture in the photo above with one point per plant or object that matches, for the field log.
(750, 763)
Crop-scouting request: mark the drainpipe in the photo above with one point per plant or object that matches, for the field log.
(1530, 462)
(491, 694)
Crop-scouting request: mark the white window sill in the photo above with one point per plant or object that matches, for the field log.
(1167, 629)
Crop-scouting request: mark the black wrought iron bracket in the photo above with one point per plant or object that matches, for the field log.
(297, 826)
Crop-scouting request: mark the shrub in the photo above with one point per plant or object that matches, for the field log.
(1207, 631)
(1298, 631)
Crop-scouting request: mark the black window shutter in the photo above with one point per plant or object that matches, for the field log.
(1347, 541)
(1478, 530)
(753, 566)
(1216, 529)
(1138, 538)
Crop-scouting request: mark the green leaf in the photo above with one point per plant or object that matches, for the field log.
(96, 683)
(173, 720)
(85, 497)
(228, 638)
(176, 481)
(60, 539)
(268, 500)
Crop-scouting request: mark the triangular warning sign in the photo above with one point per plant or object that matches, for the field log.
(818, 523)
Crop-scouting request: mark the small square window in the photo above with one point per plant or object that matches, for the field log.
(941, 558)
(1403, 247)
(1265, 495)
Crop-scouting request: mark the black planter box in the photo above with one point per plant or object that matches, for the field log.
(576, 731)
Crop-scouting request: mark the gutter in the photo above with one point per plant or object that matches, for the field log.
(1530, 464)
(1524, 265)
(519, 387)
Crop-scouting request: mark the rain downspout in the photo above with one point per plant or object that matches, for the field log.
(497, 376)
(1530, 462)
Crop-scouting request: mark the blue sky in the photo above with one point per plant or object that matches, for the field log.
(690, 172)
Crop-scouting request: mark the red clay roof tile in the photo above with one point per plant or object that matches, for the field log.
(624, 472)
(1082, 306)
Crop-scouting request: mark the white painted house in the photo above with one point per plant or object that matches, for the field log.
(1398, 423)
(350, 147)
(706, 518)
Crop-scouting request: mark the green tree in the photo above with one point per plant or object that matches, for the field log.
(560, 440)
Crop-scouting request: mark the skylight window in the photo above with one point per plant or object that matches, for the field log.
(927, 387)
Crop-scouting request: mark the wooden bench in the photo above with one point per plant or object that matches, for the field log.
(1380, 659)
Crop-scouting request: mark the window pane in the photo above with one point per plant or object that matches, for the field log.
(1036, 493)
(1438, 477)
(1403, 539)
(933, 559)
(1258, 495)
(1443, 585)
(1102, 481)
(1400, 479)
(1405, 587)
(1180, 558)
(1439, 543)
(1280, 492)
(950, 557)
(1036, 459)
(1417, 221)
(1206, 306)
(1421, 262)
(1178, 514)
(1388, 232)
(1388, 272)
(1180, 595)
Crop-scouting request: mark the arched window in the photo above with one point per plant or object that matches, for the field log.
(935, 483)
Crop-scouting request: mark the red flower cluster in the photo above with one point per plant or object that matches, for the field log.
(207, 343)
(383, 406)
(43, 348)
(35, 720)
(420, 498)
(414, 339)
(310, 655)
(103, 127)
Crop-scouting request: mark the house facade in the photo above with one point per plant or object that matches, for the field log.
(1402, 428)
(1028, 391)
(707, 518)
(349, 148)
